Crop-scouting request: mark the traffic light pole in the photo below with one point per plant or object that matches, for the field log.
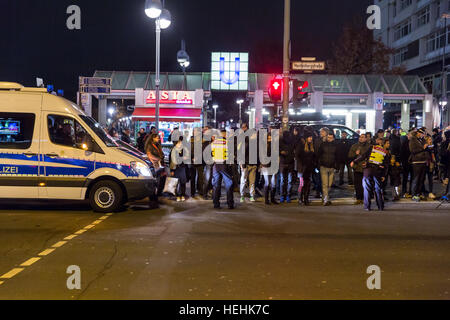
(286, 63)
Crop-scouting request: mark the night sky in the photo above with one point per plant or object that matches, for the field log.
(117, 35)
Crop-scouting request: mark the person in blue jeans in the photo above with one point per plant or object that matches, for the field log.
(376, 163)
(221, 172)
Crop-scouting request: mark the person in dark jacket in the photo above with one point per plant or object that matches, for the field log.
(155, 154)
(296, 140)
(395, 143)
(286, 167)
(316, 178)
(375, 162)
(178, 168)
(419, 159)
(355, 151)
(305, 159)
(406, 165)
(126, 136)
(431, 165)
(196, 170)
(444, 155)
(140, 142)
(344, 146)
(327, 161)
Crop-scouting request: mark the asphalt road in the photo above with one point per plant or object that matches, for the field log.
(190, 251)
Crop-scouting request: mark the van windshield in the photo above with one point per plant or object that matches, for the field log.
(95, 126)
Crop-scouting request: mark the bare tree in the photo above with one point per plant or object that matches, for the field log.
(357, 52)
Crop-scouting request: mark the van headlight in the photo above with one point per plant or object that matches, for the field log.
(141, 169)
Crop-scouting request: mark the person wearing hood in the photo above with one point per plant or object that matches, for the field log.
(286, 167)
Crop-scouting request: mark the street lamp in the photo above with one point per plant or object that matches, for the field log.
(155, 10)
(215, 114)
(240, 102)
(183, 60)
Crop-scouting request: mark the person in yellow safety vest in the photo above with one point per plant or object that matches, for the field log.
(221, 171)
(375, 163)
(219, 150)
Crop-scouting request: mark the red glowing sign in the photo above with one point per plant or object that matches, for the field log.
(171, 97)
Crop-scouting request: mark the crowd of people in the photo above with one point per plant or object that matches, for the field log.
(411, 163)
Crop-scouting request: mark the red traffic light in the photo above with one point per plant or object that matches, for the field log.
(276, 89)
(302, 85)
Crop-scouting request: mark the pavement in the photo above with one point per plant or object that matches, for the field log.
(191, 251)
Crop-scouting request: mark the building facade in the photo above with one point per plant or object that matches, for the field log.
(419, 34)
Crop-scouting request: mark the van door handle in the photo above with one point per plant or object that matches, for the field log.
(52, 155)
(30, 154)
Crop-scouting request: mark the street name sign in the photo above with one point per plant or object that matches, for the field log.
(308, 66)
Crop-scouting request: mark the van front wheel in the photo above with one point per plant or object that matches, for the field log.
(105, 196)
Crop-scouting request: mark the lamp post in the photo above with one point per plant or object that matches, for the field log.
(155, 10)
(286, 62)
(240, 102)
(215, 115)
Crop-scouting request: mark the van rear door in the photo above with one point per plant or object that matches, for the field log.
(66, 158)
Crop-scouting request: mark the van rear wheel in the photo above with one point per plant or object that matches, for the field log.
(105, 196)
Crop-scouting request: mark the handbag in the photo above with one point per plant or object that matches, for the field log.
(171, 185)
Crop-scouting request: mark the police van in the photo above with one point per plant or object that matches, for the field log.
(50, 149)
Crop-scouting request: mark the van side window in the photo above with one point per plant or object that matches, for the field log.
(66, 131)
(16, 130)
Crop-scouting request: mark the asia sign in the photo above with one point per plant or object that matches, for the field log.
(229, 71)
(171, 97)
(308, 66)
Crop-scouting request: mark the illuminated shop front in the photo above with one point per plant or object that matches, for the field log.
(178, 109)
(183, 100)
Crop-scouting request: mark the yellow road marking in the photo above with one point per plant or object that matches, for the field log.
(29, 262)
(59, 244)
(11, 273)
(46, 252)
